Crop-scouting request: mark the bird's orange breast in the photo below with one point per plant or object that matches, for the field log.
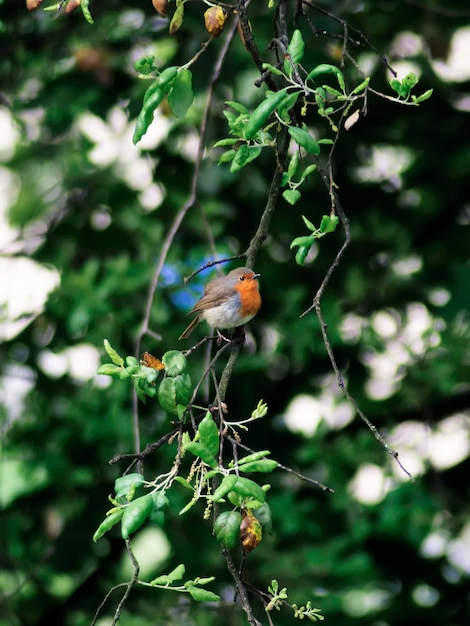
(250, 299)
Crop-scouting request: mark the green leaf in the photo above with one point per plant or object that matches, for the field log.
(135, 515)
(167, 395)
(189, 506)
(395, 84)
(159, 499)
(333, 92)
(361, 86)
(145, 117)
(260, 411)
(308, 170)
(237, 106)
(125, 486)
(108, 369)
(204, 581)
(235, 499)
(177, 573)
(245, 154)
(410, 80)
(113, 355)
(301, 254)
(291, 195)
(183, 389)
(151, 89)
(184, 482)
(231, 118)
(249, 489)
(296, 47)
(211, 473)
(226, 142)
(286, 105)
(263, 465)
(255, 456)
(404, 87)
(209, 434)
(227, 528)
(306, 240)
(168, 579)
(175, 362)
(329, 223)
(227, 484)
(262, 112)
(110, 521)
(152, 100)
(226, 157)
(202, 595)
(157, 517)
(325, 68)
(425, 96)
(304, 139)
(86, 11)
(293, 165)
(181, 96)
(263, 515)
(198, 449)
(272, 69)
(145, 65)
(309, 224)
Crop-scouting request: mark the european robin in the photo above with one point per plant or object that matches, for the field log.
(228, 301)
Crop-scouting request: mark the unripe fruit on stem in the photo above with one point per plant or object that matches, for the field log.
(72, 5)
(33, 4)
(177, 19)
(214, 19)
(160, 7)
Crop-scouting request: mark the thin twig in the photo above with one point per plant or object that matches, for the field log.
(147, 451)
(363, 41)
(130, 584)
(211, 264)
(168, 241)
(105, 599)
(241, 589)
(307, 479)
(316, 305)
(271, 203)
(250, 43)
(438, 10)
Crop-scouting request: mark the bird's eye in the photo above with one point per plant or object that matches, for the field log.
(242, 278)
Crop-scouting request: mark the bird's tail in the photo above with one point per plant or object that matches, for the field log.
(190, 328)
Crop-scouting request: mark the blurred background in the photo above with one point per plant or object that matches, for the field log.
(83, 214)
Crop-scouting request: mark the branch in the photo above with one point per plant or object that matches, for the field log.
(241, 589)
(346, 27)
(271, 203)
(168, 241)
(307, 479)
(250, 43)
(316, 305)
(128, 586)
(211, 264)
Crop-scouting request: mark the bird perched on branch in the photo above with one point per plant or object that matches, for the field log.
(228, 301)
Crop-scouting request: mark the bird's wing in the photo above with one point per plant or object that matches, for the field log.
(213, 297)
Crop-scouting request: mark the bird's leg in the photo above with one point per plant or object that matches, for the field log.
(221, 338)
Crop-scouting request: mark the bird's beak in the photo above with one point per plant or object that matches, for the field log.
(255, 276)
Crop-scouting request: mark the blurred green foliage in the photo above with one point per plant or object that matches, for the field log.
(90, 205)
